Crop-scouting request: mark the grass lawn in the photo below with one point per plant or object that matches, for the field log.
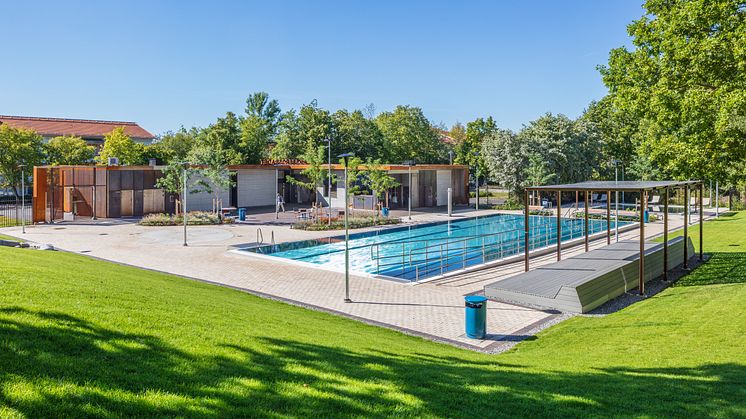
(84, 337)
(9, 238)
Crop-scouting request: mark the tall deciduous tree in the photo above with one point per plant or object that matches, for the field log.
(258, 127)
(354, 133)
(506, 157)
(211, 158)
(378, 180)
(69, 150)
(685, 82)
(468, 151)
(174, 146)
(18, 146)
(118, 144)
(408, 135)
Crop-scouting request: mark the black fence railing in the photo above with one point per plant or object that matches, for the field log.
(14, 211)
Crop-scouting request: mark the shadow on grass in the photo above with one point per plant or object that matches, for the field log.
(720, 268)
(54, 364)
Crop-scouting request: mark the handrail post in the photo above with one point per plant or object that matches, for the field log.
(378, 259)
(441, 259)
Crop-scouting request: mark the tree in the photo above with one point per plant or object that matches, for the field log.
(173, 146)
(172, 179)
(315, 173)
(68, 150)
(378, 180)
(506, 156)
(118, 144)
(288, 143)
(684, 82)
(536, 173)
(471, 144)
(212, 160)
(19, 146)
(258, 128)
(354, 133)
(314, 126)
(408, 135)
(226, 132)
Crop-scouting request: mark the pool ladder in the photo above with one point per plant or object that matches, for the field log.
(260, 237)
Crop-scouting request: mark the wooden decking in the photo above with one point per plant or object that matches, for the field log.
(583, 282)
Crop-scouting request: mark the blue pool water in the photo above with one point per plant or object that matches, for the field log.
(425, 250)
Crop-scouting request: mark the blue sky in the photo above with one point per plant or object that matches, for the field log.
(167, 64)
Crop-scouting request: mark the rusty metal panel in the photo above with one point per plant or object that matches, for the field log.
(137, 203)
(115, 204)
(101, 176)
(101, 201)
(115, 180)
(148, 179)
(126, 202)
(126, 179)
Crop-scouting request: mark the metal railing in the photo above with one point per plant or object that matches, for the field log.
(416, 259)
(14, 213)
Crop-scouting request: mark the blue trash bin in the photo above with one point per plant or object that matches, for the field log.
(476, 316)
(385, 211)
(242, 214)
(646, 217)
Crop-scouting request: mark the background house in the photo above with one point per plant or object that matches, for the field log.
(92, 131)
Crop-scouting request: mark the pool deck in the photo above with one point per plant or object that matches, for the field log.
(433, 310)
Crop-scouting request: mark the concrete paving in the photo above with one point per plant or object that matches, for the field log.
(434, 309)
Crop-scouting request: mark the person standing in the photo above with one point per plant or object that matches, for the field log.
(280, 203)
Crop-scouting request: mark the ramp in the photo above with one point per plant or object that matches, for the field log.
(581, 283)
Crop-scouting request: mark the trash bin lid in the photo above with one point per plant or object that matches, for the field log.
(475, 299)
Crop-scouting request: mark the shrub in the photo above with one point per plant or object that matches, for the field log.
(354, 222)
(194, 218)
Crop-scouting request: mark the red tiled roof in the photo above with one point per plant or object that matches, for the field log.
(86, 128)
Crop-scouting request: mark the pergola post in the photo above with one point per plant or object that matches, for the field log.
(643, 205)
(585, 210)
(701, 218)
(559, 225)
(686, 226)
(665, 235)
(526, 231)
(608, 217)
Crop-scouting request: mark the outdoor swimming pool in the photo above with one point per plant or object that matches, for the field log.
(425, 250)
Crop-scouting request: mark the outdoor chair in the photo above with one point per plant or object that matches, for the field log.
(655, 203)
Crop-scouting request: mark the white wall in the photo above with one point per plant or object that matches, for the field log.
(442, 183)
(202, 201)
(256, 187)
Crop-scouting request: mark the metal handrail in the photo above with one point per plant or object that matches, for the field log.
(462, 256)
(258, 235)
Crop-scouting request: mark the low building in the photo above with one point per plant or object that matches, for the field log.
(117, 191)
(92, 131)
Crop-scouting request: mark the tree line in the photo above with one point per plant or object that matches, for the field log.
(675, 108)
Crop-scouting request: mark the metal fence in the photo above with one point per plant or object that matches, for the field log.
(14, 211)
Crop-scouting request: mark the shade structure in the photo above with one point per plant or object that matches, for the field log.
(643, 188)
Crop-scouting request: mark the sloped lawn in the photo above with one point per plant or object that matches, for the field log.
(81, 337)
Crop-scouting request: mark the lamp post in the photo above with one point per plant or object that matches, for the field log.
(450, 157)
(184, 200)
(277, 203)
(409, 164)
(329, 175)
(476, 181)
(23, 199)
(346, 157)
(616, 200)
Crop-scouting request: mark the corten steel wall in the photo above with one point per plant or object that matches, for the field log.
(119, 191)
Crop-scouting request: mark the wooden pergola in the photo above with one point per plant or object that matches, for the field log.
(643, 188)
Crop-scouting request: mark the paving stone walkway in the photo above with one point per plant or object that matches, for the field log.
(433, 309)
